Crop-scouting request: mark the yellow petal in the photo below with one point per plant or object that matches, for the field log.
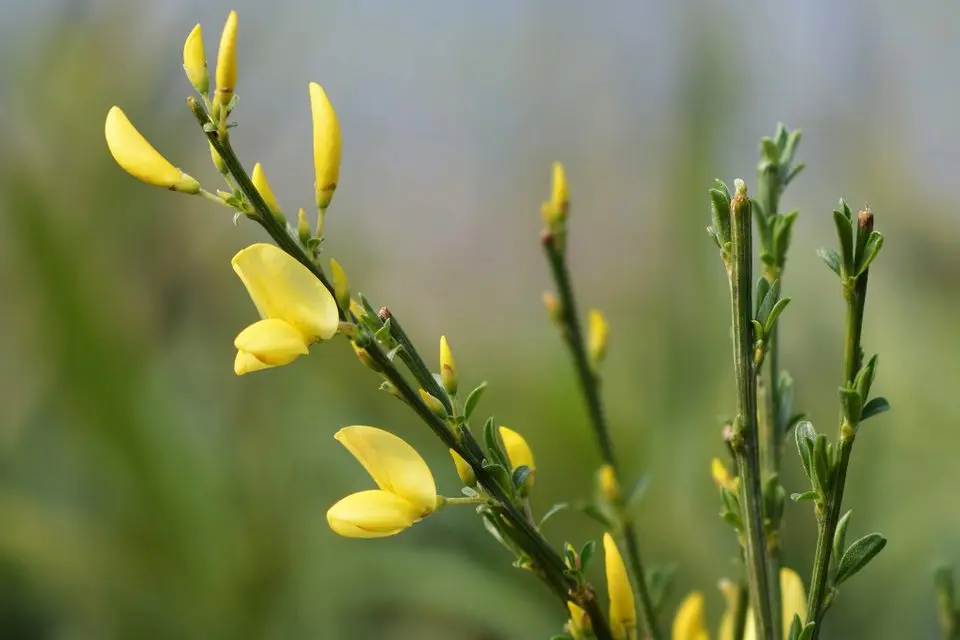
(371, 514)
(597, 333)
(609, 487)
(623, 615)
(247, 363)
(284, 289)
(464, 470)
(341, 284)
(393, 464)
(579, 621)
(326, 145)
(138, 158)
(272, 342)
(260, 182)
(195, 61)
(227, 61)
(721, 476)
(448, 368)
(688, 623)
(728, 621)
(560, 195)
(518, 451)
(794, 601)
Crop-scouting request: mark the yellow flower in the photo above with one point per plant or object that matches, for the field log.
(295, 308)
(227, 61)
(623, 615)
(217, 160)
(518, 451)
(135, 156)
(794, 600)
(195, 61)
(341, 284)
(448, 368)
(326, 145)
(407, 490)
(464, 470)
(260, 182)
(722, 477)
(597, 333)
(555, 210)
(688, 623)
(728, 622)
(609, 487)
(579, 624)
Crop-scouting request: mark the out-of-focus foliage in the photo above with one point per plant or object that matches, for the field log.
(146, 492)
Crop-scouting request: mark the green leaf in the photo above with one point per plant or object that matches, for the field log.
(831, 258)
(491, 438)
(870, 252)
(552, 511)
(561, 637)
(758, 335)
(807, 633)
(769, 150)
(720, 213)
(821, 465)
(759, 296)
(470, 492)
(873, 407)
(586, 554)
(785, 386)
(775, 314)
(733, 519)
(520, 475)
(782, 232)
(769, 300)
(593, 511)
(806, 435)
(473, 398)
(858, 556)
(790, 147)
(839, 541)
(865, 377)
(794, 173)
(851, 403)
(806, 495)
(796, 627)
(636, 494)
(501, 476)
(845, 235)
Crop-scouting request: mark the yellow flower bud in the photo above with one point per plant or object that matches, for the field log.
(519, 454)
(623, 616)
(609, 487)
(688, 622)
(341, 285)
(794, 603)
(728, 621)
(579, 624)
(435, 406)
(464, 470)
(555, 210)
(217, 160)
(365, 358)
(260, 182)
(303, 225)
(722, 477)
(552, 305)
(195, 61)
(448, 368)
(326, 145)
(138, 158)
(597, 333)
(227, 62)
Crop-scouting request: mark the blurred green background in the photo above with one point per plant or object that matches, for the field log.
(146, 492)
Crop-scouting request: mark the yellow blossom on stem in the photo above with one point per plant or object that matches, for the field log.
(579, 624)
(464, 470)
(341, 284)
(555, 209)
(728, 621)
(406, 493)
(597, 333)
(623, 614)
(448, 368)
(227, 62)
(609, 486)
(138, 158)
(303, 226)
(195, 61)
(519, 455)
(259, 180)
(326, 145)
(688, 622)
(722, 477)
(295, 309)
(794, 600)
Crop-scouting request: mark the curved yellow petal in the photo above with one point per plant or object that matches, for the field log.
(272, 342)
(247, 363)
(284, 289)
(326, 145)
(393, 464)
(623, 615)
(518, 451)
(464, 470)
(448, 367)
(371, 514)
(195, 61)
(579, 623)
(598, 332)
(227, 61)
(794, 600)
(260, 182)
(728, 621)
(138, 158)
(688, 623)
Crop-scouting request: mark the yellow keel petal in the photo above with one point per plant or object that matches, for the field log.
(371, 514)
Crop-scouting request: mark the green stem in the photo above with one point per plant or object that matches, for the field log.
(745, 440)
(590, 385)
(410, 357)
(532, 542)
(855, 292)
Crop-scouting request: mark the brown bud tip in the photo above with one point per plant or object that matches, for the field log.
(546, 237)
(384, 314)
(865, 219)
